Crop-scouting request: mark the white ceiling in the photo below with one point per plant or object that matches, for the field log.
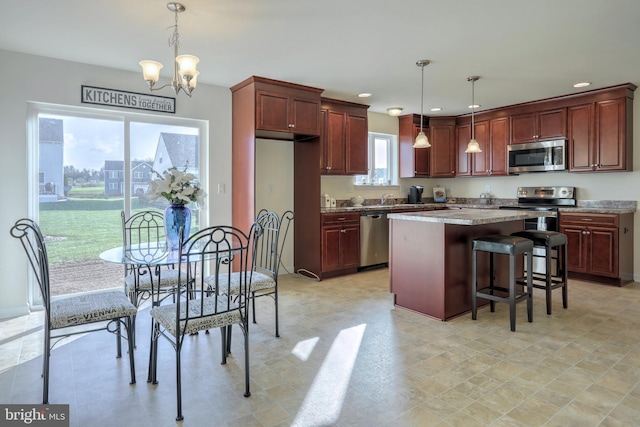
(522, 50)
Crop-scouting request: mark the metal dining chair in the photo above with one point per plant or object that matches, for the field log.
(215, 252)
(104, 310)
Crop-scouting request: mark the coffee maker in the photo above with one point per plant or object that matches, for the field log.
(415, 194)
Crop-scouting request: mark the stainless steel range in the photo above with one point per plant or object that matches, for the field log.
(543, 199)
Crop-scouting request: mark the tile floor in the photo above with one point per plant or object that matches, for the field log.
(347, 357)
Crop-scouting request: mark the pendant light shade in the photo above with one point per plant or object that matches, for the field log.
(421, 140)
(473, 146)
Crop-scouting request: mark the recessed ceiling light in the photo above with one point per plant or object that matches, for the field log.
(364, 95)
(394, 111)
(436, 109)
(474, 106)
(583, 84)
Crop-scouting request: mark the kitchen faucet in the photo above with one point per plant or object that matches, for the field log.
(384, 198)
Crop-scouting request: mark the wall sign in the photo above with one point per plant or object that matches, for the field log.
(121, 98)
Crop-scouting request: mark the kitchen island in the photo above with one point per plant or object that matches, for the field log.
(430, 256)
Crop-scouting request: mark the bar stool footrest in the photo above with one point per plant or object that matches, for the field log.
(486, 294)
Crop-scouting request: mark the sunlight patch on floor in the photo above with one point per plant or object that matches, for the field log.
(323, 402)
(303, 349)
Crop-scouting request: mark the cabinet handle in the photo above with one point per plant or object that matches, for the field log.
(328, 167)
(453, 172)
(291, 125)
(343, 231)
(586, 219)
(341, 218)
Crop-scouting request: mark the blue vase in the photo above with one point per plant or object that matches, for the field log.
(176, 216)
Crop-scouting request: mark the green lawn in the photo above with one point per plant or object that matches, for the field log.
(80, 229)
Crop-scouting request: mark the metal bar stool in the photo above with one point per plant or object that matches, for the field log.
(553, 278)
(508, 245)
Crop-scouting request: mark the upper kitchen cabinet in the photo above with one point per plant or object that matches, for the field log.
(414, 162)
(282, 110)
(539, 125)
(600, 135)
(493, 138)
(443, 147)
(344, 138)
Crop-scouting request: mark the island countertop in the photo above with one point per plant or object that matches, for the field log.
(470, 216)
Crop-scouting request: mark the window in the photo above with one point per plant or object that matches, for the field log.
(383, 161)
(91, 162)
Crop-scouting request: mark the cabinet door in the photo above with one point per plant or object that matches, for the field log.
(443, 151)
(576, 248)
(421, 155)
(463, 135)
(481, 161)
(581, 137)
(304, 115)
(499, 137)
(350, 246)
(333, 142)
(356, 146)
(331, 248)
(272, 111)
(552, 124)
(523, 128)
(610, 135)
(602, 258)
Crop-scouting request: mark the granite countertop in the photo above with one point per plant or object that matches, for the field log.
(583, 206)
(469, 216)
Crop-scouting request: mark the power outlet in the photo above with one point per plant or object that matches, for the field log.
(221, 188)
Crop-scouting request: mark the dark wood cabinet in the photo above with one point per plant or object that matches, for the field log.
(344, 138)
(414, 162)
(285, 109)
(340, 242)
(599, 136)
(539, 125)
(443, 147)
(599, 246)
(493, 137)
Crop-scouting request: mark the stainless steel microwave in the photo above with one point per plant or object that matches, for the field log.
(540, 156)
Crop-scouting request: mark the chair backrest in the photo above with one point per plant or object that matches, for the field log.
(221, 249)
(269, 242)
(32, 239)
(143, 227)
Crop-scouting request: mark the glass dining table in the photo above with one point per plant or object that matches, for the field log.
(145, 259)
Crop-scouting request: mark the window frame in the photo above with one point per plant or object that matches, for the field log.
(392, 162)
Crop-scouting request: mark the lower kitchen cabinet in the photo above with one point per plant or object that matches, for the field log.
(340, 242)
(599, 246)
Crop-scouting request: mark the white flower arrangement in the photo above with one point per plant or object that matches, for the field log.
(177, 186)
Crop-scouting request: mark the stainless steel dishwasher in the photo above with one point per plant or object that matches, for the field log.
(374, 238)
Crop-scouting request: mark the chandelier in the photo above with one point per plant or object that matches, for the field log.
(184, 66)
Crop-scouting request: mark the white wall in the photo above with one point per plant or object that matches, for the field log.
(58, 82)
(274, 185)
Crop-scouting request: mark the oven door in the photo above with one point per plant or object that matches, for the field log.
(543, 223)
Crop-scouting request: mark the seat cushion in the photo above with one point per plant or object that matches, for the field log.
(168, 278)
(165, 315)
(259, 281)
(90, 308)
(502, 244)
(543, 237)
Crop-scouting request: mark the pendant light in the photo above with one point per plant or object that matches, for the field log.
(473, 146)
(421, 140)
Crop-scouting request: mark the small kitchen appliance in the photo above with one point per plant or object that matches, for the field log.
(415, 194)
(439, 194)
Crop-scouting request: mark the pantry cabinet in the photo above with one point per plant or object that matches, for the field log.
(344, 138)
(539, 126)
(599, 246)
(340, 242)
